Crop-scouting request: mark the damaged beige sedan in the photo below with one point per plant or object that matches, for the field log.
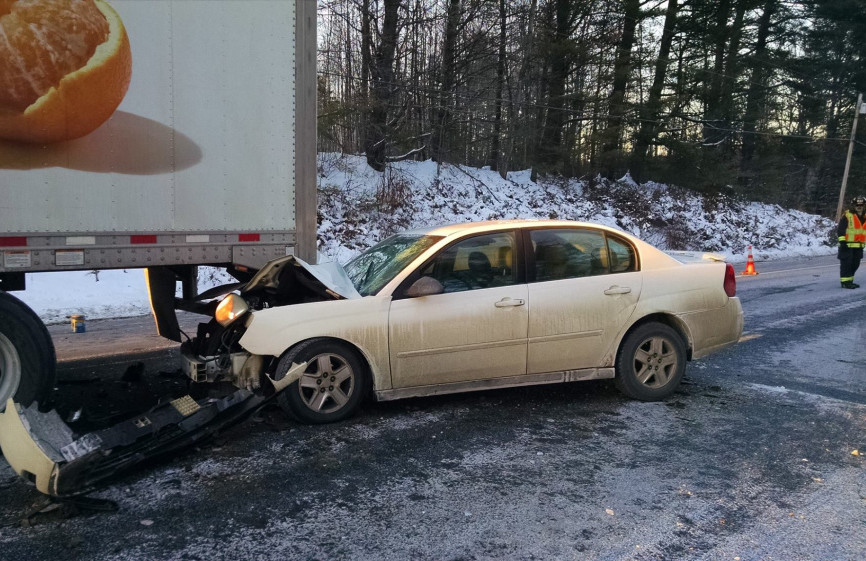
(441, 310)
(471, 307)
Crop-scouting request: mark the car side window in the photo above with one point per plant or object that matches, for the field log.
(622, 256)
(479, 262)
(564, 254)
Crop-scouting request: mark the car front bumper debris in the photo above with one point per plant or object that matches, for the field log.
(42, 449)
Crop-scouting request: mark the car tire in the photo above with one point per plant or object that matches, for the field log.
(332, 386)
(27, 359)
(651, 362)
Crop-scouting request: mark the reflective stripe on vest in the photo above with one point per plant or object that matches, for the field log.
(855, 235)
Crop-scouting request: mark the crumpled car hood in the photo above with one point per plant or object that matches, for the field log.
(331, 276)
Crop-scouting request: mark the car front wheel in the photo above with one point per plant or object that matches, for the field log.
(331, 387)
(651, 362)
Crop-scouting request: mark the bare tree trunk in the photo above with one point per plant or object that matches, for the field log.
(757, 87)
(726, 96)
(366, 60)
(351, 141)
(494, 158)
(559, 56)
(377, 133)
(442, 126)
(711, 134)
(650, 113)
(811, 186)
(417, 70)
(596, 125)
(518, 121)
(621, 71)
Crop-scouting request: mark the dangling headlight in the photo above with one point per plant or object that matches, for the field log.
(231, 308)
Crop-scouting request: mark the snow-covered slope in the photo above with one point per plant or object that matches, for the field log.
(355, 209)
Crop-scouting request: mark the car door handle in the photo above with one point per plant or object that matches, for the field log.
(617, 290)
(509, 303)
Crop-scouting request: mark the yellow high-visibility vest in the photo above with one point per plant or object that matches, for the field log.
(855, 235)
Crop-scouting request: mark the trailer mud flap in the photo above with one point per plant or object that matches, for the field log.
(41, 448)
(161, 286)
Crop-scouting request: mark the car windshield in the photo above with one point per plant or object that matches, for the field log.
(375, 268)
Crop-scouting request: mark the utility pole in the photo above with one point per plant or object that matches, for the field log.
(859, 108)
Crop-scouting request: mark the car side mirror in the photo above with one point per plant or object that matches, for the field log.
(425, 286)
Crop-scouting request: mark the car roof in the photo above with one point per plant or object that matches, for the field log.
(483, 226)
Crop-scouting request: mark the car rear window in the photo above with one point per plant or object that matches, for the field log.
(572, 253)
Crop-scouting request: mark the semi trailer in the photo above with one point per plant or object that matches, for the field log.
(178, 134)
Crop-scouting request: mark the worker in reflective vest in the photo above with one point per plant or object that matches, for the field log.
(852, 238)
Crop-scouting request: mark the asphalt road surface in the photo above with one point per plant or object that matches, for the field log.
(759, 456)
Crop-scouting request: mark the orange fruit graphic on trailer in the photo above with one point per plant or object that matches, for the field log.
(65, 66)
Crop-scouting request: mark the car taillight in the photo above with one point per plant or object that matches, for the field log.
(730, 281)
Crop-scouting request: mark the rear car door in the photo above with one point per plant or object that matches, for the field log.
(476, 329)
(583, 287)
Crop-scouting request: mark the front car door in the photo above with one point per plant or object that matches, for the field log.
(476, 329)
(583, 286)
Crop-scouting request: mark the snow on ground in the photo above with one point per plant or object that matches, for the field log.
(359, 206)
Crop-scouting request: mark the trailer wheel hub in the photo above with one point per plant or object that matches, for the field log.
(10, 370)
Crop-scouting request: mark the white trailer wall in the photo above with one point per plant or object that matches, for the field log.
(203, 141)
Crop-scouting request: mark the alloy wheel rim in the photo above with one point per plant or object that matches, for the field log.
(655, 362)
(327, 384)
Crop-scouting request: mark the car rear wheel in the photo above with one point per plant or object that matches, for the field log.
(331, 387)
(651, 362)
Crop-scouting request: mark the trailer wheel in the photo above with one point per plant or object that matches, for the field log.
(27, 360)
(332, 386)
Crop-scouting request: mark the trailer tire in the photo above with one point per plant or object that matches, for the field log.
(27, 359)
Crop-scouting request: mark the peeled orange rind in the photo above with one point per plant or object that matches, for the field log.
(84, 98)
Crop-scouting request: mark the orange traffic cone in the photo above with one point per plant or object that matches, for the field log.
(750, 264)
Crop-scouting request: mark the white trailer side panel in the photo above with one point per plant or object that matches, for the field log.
(204, 140)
